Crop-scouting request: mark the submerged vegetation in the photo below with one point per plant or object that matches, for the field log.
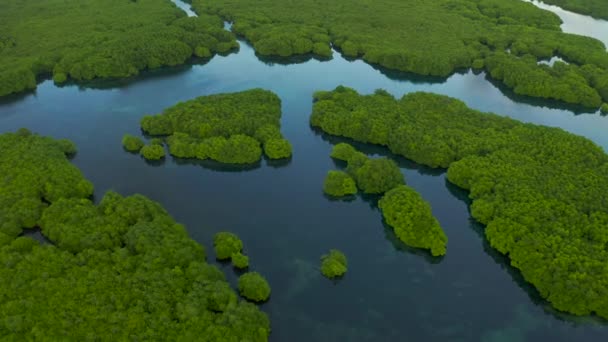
(254, 287)
(59, 37)
(540, 191)
(594, 8)
(412, 220)
(334, 264)
(123, 267)
(507, 38)
(228, 128)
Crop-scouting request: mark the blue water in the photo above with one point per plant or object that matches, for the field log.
(391, 292)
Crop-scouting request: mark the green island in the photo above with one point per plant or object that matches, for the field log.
(505, 38)
(254, 287)
(226, 245)
(122, 269)
(87, 39)
(229, 128)
(339, 184)
(372, 175)
(411, 218)
(334, 264)
(540, 191)
(152, 152)
(594, 8)
(132, 143)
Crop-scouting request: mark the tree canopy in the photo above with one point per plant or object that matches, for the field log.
(338, 184)
(412, 220)
(334, 264)
(438, 37)
(540, 191)
(86, 39)
(123, 269)
(254, 287)
(229, 128)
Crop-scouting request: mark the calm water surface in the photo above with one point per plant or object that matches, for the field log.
(577, 23)
(391, 292)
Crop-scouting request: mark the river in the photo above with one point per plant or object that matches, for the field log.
(391, 292)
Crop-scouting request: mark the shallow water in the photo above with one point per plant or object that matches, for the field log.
(391, 292)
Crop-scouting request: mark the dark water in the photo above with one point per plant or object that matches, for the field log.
(391, 292)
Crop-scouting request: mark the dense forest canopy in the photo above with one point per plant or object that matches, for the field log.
(507, 38)
(229, 128)
(541, 192)
(85, 39)
(120, 270)
(594, 8)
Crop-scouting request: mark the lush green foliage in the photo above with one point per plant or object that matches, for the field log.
(410, 216)
(86, 39)
(373, 176)
(254, 287)
(226, 244)
(338, 183)
(132, 143)
(153, 152)
(35, 172)
(604, 108)
(334, 264)
(277, 148)
(594, 8)
(541, 192)
(239, 260)
(430, 38)
(228, 128)
(343, 151)
(120, 270)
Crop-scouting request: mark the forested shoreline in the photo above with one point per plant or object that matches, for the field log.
(594, 8)
(540, 191)
(437, 38)
(86, 39)
(119, 270)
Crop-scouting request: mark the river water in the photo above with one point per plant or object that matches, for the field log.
(391, 292)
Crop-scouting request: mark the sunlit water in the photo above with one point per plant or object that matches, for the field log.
(391, 292)
(577, 23)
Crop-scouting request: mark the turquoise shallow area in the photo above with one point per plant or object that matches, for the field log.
(391, 292)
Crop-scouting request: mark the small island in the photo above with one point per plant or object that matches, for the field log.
(254, 287)
(334, 264)
(231, 128)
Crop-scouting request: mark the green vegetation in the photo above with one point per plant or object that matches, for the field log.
(152, 152)
(604, 109)
(35, 172)
(334, 264)
(277, 148)
(338, 184)
(226, 245)
(132, 143)
(254, 287)
(123, 268)
(228, 128)
(239, 260)
(594, 8)
(540, 191)
(86, 39)
(410, 216)
(373, 176)
(506, 38)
